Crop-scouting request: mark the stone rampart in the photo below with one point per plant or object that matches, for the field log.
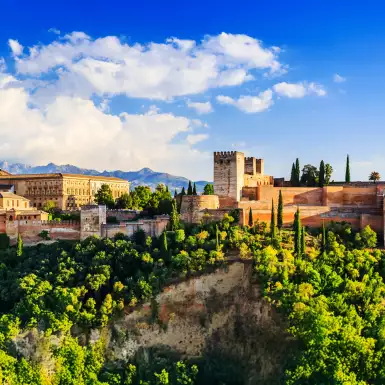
(193, 205)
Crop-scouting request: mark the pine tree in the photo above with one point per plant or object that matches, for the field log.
(189, 188)
(321, 178)
(174, 217)
(280, 211)
(183, 192)
(19, 248)
(272, 222)
(347, 172)
(324, 238)
(250, 217)
(297, 172)
(292, 176)
(194, 190)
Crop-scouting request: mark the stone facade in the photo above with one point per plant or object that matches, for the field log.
(92, 217)
(67, 191)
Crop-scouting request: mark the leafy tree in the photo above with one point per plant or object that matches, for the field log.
(49, 207)
(4, 241)
(174, 217)
(369, 237)
(374, 176)
(250, 217)
(19, 247)
(328, 173)
(280, 211)
(347, 171)
(321, 177)
(194, 190)
(309, 175)
(189, 188)
(123, 202)
(208, 189)
(104, 196)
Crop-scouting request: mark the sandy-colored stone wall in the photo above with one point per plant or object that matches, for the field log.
(193, 205)
(229, 169)
(92, 218)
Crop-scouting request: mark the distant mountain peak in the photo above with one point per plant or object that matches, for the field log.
(143, 177)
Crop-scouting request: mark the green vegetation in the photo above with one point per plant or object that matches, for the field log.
(311, 176)
(104, 196)
(280, 211)
(321, 177)
(347, 171)
(328, 284)
(374, 176)
(189, 188)
(208, 189)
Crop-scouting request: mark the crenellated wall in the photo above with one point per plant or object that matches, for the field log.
(192, 206)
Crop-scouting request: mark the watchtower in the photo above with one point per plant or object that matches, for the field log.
(229, 169)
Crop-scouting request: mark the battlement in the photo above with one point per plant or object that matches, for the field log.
(225, 155)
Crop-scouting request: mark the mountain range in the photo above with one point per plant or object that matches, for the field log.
(143, 177)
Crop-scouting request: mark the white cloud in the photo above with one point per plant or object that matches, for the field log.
(201, 108)
(193, 139)
(298, 90)
(249, 104)
(54, 30)
(16, 47)
(107, 66)
(338, 78)
(3, 65)
(74, 129)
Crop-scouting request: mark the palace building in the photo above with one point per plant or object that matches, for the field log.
(67, 191)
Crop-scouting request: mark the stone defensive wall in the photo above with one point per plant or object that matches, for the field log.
(192, 206)
(152, 227)
(122, 215)
(30, 230)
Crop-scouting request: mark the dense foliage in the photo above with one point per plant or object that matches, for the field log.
(329, 284)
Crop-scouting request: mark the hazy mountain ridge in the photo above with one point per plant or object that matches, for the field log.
(145, 176)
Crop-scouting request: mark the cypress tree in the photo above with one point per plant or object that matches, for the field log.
(272, 222)
(194, 190)
(250, 218)
(297, 233)
(164, 245)
(280, 211)
(347, 172)
(175, 194)
(323, 241)
(297, 172)
(303, 241)
(183, 192)
(292, 176)
(166, 188)
(174, 217)
(217, 237)
(19, 248)
(321, 178)
(189, 188)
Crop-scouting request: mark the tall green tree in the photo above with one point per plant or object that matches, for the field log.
(189, 188)
(321, 177)
(164, 245)
(123, 202)
(175, 194)
(280, 211)
(272, 222)
(297, 173)
(174, 217)
(309, 175)
(303, 241)
(293, 176)
(374, 176)
(250, 217)
(183, 192)
(104, 196)
(328, 173)
(347, 171)
(194, 190)
(297, 233)
(217, 237)
(208, 189)
(323, 240)
(19, 247)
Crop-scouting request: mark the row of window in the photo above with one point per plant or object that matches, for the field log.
(11, 203)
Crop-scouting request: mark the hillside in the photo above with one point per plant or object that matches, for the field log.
(145, 176)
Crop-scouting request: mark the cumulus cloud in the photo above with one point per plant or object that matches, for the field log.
(84, 66)
(54, 30)
(200, 107)
(16, 47)
(249, 104)
(299, 90)
(338, 78)
(74, 129)
(193, 139)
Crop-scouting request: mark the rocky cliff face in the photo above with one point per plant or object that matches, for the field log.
(219, 319)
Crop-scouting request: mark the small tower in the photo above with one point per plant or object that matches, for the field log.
(92, 217)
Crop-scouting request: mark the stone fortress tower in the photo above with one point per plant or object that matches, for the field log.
(233, 173)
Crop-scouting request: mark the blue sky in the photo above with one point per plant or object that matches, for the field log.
(72, 95)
